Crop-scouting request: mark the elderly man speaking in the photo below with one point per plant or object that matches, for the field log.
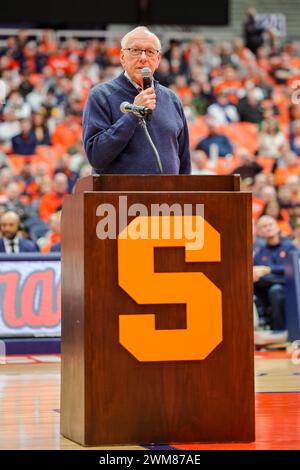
(114, 141)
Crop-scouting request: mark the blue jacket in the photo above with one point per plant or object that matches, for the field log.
(116, 143)
(295, 145)
(25, 246)
(23, 146)
(220, 140)
(273, 256)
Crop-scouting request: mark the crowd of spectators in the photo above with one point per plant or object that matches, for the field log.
(240, 98)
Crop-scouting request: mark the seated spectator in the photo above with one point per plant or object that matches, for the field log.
(285, 197)
(181, 86)
(283, 69)
(249, 108)
(290, 165)
(293, 183)
(40, 129)
(263, 84)
(188, 108)
(13, 203)
(15, 107)
(162, 73)
(27, 183)
(269, 110)
(243, 56)
(25, 142)
(295, 137)
(215, 144)
(6, 177)
(200, 163)
(75, 108)
(64, 166)
(269, 289)
(178, 64)
(229, 82)
(273, 209)
(10, 242)
(67, 132)
(268, 193)
(202, 96)
(53, 235)
(270, 139)
(294, 214)
(60, 63)
(51, 201)
(49, 107)
(223, 112)
(248, 167)
(37, 96)
(9, 128)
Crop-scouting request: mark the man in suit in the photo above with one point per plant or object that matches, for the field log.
(10, 242)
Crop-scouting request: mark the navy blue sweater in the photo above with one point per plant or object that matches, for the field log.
(273, 256)
(223, 143)
(116, 144)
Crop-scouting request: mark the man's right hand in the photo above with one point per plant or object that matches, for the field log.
(146, 98)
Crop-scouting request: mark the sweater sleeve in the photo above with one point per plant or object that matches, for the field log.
(103, 140)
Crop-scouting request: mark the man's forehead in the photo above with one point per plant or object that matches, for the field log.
(268, 223)
(142, 38)
(9, 220)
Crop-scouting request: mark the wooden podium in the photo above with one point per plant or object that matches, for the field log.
(140, 364)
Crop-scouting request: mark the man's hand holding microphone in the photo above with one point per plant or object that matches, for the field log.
(145, 101)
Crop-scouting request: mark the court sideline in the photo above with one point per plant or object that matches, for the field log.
(30, 401)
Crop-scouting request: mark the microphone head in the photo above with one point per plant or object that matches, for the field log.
(146, 76)
(146, 72)
(123, 106)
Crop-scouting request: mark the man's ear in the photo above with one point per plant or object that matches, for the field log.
(158, 61)
(122, 59)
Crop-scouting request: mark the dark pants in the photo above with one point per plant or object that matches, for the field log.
(271, 296)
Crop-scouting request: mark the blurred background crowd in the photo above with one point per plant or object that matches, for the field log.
(241, 99)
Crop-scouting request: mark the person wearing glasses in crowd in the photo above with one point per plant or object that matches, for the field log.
(114, 142)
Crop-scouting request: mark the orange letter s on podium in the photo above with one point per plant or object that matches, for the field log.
(201, 296)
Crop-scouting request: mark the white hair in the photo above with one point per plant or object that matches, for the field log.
(265, 218)
(139, 29)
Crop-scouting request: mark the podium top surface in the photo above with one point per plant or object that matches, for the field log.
(158, 183)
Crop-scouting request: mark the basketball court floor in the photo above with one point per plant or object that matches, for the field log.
(30, 402)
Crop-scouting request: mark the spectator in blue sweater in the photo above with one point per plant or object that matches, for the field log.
(269, 285)
(115, 142)
(25, 142)
(215, 144)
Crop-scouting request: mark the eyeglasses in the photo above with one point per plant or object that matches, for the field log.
(137, 52)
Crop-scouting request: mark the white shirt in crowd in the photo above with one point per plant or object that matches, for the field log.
(11, 246)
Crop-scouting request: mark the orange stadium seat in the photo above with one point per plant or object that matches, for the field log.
(17, 162)
(241, 134)
(197, 130)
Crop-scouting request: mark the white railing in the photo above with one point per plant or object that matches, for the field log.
(211, 35)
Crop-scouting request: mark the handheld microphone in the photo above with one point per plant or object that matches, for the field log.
(146, 75)
(140, 111)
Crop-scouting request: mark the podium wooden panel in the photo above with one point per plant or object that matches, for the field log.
(107, 395)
